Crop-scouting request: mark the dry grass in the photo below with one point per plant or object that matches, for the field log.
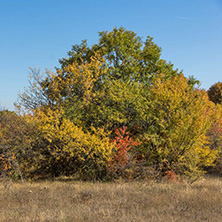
(137, 201)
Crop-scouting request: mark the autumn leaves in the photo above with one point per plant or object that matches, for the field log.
(112, 110)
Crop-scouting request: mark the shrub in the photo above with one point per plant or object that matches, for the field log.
(65, 149)
(121, 156)
(16, 137)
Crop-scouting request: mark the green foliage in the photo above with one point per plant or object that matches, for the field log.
(215, 93)
(117, 104)
(119, 82)
(127, 57)
(101, 85)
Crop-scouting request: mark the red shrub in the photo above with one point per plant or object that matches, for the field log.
(123, 144)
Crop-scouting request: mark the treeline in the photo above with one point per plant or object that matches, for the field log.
(114, 109)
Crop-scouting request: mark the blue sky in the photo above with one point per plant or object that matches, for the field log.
(36, 33)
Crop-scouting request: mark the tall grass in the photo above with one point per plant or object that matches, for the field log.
(135, 201)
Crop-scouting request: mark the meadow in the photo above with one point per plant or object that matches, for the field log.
(68, 200)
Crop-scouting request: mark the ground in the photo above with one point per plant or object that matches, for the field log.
(133, 201)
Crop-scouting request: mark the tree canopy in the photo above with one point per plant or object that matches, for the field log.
(215, 93)
(116, 108)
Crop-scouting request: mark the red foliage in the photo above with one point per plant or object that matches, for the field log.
(171, 176)
(123, 144)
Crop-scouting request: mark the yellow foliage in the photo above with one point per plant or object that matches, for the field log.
(76, 80)
(64, 140)
(181, 116)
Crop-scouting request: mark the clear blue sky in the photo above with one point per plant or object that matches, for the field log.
(36, 33)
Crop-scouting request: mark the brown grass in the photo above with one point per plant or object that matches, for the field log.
(136, 201)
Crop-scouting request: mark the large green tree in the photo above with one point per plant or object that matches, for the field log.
(127, 56)
(111, 74)
(126, 67)
(122, 81)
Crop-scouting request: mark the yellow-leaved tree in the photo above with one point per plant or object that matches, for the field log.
(175, 126)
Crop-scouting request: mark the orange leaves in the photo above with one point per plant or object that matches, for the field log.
(6, 161)
(123, 144)
(171, 176)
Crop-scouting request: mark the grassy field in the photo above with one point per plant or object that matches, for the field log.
(135, 201)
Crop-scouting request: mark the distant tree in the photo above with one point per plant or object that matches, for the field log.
(215, 93)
